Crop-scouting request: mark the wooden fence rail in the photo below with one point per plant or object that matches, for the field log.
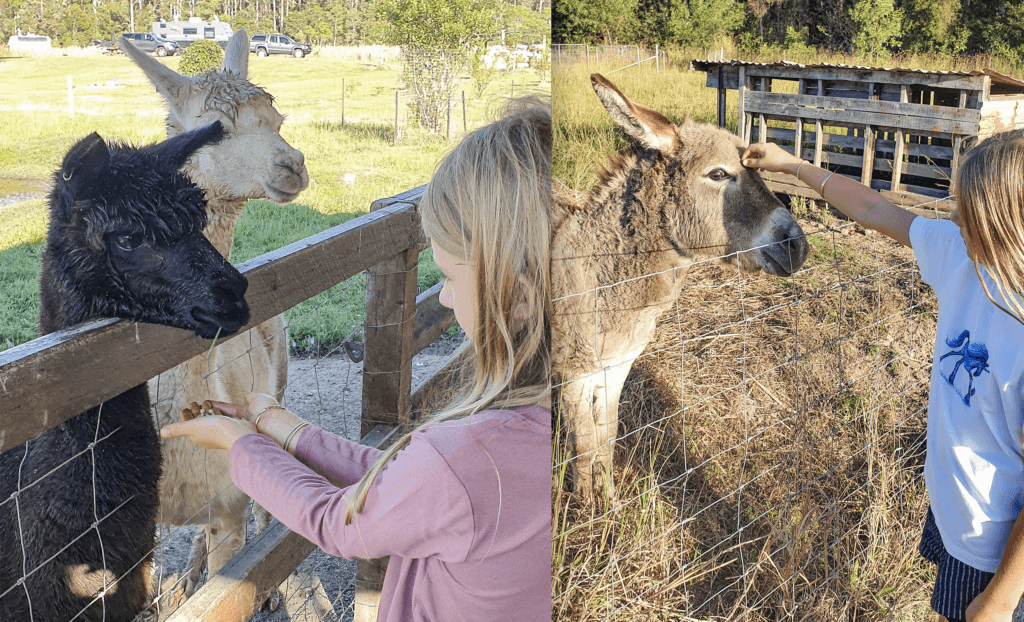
(51, 379)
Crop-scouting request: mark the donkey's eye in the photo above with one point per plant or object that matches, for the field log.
(718, 175)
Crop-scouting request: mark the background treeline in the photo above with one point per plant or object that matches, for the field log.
(861, 27)
(319, 22)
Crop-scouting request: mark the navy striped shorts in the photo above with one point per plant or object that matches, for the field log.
(956, 583)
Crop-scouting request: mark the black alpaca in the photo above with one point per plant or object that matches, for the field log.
(78, 503)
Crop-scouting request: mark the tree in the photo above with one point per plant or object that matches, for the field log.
(695, 22)
(878, 24)
(931, 25)
(594, 21)
(437, 38)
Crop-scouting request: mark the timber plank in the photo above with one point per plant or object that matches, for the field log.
(432, 319)
(103, 359)
(939, 173)
(910, 201)
(884, 122)
(949, 121)
(892, 76)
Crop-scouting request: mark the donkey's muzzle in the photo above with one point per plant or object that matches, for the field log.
(786, 250)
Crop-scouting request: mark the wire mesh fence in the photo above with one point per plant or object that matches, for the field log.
(565, 53)
(49, 515)
(767, 461)
(324, 389)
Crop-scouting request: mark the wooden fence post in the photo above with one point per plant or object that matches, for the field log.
(396, 118)
(387, 378)
(343, 102)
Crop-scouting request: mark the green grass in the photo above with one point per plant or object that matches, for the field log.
(36, 130)
(585, 134)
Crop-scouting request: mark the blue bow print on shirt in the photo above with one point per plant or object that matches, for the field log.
(973, 357)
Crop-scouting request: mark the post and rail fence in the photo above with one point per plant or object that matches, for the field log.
(104, 358)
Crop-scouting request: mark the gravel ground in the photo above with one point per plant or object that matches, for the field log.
(11, 199)
(327, 392)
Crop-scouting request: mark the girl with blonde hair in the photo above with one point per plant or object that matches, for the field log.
(974, 469)
(461, 503)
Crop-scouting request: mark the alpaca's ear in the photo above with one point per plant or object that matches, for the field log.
(86, 161)
(173, 86)
(176, 151)
(236, 60)
(648, 126)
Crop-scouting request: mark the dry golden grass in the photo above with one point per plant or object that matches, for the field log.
(771, 440)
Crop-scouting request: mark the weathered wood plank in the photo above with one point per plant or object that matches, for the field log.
(865, 106)
(432, 319)
(868, 158)
(388, 335)
(818, 140)
(939, 173)
(721, 103)
(730, 75)
(742, 128)
(387, 380)
(435, 391)
(798, 137)
(916, 203)
(842, 118)
(243, 584)
(101, 360)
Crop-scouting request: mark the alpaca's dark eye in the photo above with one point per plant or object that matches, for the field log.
(718, 175)
(128, 242)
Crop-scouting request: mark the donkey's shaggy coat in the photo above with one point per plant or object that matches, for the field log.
(619, 257)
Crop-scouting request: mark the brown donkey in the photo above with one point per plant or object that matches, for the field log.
(678, 195)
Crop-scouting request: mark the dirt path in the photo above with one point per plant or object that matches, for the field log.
(328, 392)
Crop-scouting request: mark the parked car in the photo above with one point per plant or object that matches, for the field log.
(262, 45)
(148, 42)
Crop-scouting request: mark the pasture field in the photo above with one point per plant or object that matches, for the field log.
(770, 444)
(350, 165)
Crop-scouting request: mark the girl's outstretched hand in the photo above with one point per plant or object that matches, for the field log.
(770, 157)
(210, 432)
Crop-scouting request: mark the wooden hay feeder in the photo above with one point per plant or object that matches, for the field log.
(899, 131)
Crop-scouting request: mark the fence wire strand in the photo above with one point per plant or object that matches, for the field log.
(767, 463)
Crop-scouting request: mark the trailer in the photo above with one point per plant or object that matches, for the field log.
(194, 29)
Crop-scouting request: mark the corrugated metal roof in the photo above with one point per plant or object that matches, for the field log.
(997, 78)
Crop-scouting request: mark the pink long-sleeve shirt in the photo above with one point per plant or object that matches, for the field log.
(464, 511)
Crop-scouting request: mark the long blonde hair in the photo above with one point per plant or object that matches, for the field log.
(989, 186)
(489, 203)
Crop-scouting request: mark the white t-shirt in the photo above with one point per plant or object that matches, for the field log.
(974, 468)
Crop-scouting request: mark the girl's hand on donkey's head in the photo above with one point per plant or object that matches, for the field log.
(210, 431)
(769, 157)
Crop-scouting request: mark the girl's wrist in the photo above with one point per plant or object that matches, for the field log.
(793, 167)
(282, 426)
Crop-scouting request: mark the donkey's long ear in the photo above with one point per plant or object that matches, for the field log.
(176, 151)
(172, 85)
(648, 126)
(236, 60)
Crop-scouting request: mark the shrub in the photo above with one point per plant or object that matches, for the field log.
(200, 57)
